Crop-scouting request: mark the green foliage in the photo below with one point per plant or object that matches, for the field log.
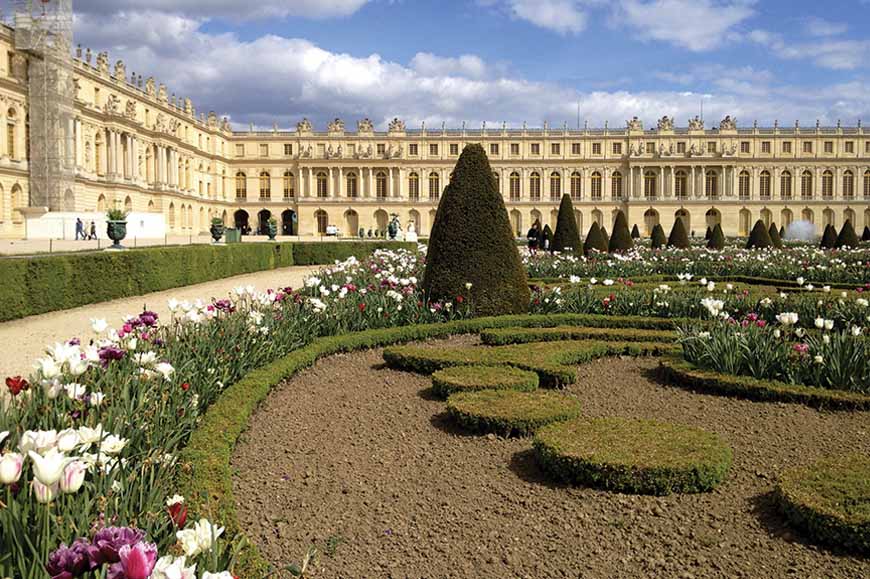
(716, 239)
(605, 236)
(328, 252)
(509, 412)
(635, 232)
(829, 237)
(759, 238)
(709, 234)
(633, 456)
(775, 237)
(847, 236)
(472, 242)
(658, 239)
(621, 239)
(611, 333)
(830, 501)
(782, 232)
(594, 240)
(678, 238)
(866, 236)
(116, 215)
(472, 378)
(567, 237)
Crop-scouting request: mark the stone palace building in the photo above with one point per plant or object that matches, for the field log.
(139, 148)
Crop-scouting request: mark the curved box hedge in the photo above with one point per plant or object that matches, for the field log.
(472, 378)
(511, 413)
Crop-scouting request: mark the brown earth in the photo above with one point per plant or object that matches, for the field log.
(359, 460)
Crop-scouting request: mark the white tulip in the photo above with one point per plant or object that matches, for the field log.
(40, 440)
(73, 477)
(11, 465)
(48, 368)
(67, 440)
(200, 539)
(99, 325)
(829, 324)
(820, 323)
(113, 444)
(170, 567)
(165, 369)
(49, 468)
(44, 493)
(75, 391)
(96, 399)
(89, 436)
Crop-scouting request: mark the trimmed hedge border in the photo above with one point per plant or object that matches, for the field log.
(38, 285)
(506, 336)
(745, 279)
(511, 413)
(633, 456)
(680, 373)
(473, 378)
(829, 501)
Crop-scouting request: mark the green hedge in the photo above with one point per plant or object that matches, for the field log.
(471, 378)
(744, 279)
(37, 285)
(830, 501)
(511, 413)
(681, 373)
(504, 336)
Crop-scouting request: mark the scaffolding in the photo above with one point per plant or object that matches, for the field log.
(44, 32)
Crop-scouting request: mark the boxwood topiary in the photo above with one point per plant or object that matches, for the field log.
(829, 237)
(866, 236)
(847, 236)
(594, 240)
(472, 378)
(775, 237)
(830, 500)
(717, 238)
(566, 238)
(759, 238)
(545, 239)
(511, 413)
(678, 238)
(633, 456)
(635, 232)
(621, 239)
(472, 242)
(658, 239)
(708, 234)
(605, 236)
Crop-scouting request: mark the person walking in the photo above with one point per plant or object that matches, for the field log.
(80, 229)
(93, 234)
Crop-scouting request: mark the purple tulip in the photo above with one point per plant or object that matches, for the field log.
(68, 562)
(108, 542)
(148, 319)
(109, 353)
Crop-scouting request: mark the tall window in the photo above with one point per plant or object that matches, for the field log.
(616, 185)
(596, 186)
(785, 185)
(576, 186)
(806, 185)
(848, 185)
(10, 134)
(414, 187)
(434, 186)
(649, 185)
(352, 184)
(289, 185)
(241, 185)
(711, 183)
(827, 185)
(867, 184)
(535, 187)
(265, 186)
(322, 221)
(555, 186)
(515, 186)
(681, 190)
(764, 186)
(322, 185)
(381, 185)
(497, 181)
(743, 185)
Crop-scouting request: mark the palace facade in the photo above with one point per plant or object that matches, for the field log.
(138, 148)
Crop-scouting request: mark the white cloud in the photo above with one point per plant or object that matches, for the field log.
(469, 65)
(562, 16)
(231, 9)
(826, 53)
(821, 27)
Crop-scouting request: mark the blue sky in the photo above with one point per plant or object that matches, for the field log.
(497, 60)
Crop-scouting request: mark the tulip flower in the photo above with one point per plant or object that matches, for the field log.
(48, 469)
(11, 464)
(44, 493)
(3, 436)
(136, 561)
(221, 575)
(73, 477)
(17, 385)
(200, 539)
(67, 440)
(177, 510)
(99, 325)
(170, 567)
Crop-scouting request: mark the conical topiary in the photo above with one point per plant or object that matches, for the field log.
(621, 239)
(606, 236)
(708, 234)
(847, 236)
(472, 243)
(782, 231)
(594, 240)
(775, 237)
(545, 240)
(866, 236)
(717, 238)
(759, 238)
(678, 237)
(635, 232)
(658, 237)
(566, 237)
(829, 237)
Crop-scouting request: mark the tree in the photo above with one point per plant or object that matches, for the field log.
(566, 238)
(635, 232)
(678, 237)
(782, 231)
(759, 238)
(866, 236)
(472, 243)
(594, 240)
(717, 238)
(708, 234)
(847, 237)
(658, 237)
(621, 239)
(829, 237)
(775, 237)
(606, 236)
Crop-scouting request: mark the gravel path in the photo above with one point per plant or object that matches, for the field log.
(25, 340)
(358, 460)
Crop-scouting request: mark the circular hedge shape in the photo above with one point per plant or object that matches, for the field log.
(511, 413)
(633, 456)
(472, 378)
(830, 501)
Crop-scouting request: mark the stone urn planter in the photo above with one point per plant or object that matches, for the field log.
(272, 230)
(116, 231)
(217, 231)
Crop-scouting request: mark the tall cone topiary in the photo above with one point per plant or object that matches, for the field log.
(621, 239)
(782, 231)
(708, 234)
(759, 238)
(566, 237)
(472, 242)
(605, 236)
(635, 232)
(866, 236)
(678, 237)
(829, 237)
(545, 240)
(594, 240)
(847, 236)
(775, 237)
(658, 239)
(717, 238)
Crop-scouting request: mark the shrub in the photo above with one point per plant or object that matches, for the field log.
(545, 240)
(472, 242)
(611, 333)
(830, 501)
(621, 239)
(635, 232)
(716, 239)
(678, 237)
(633, 456)
(782, 231)
(605, 236)
(566, 238)
(471, 378)
(866, 236)
(658, 239)
(775, 237)
(759, 238)
(511, 413)
(829, 237)
(847, 236)
(594, 240)
(709, 234)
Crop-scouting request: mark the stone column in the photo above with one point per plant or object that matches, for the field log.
(79, 146)
(110, 151)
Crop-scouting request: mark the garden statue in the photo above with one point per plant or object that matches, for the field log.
(393, 227)
(411, 235)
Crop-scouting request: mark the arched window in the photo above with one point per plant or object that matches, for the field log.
(867, 185)
(515, 186)
(785, 185)
(650, 220)
(596, 192)
(265, 186)
(172, 216)
(352, 184)
(616, 185)
(827, 185)
(764, 186)
(535, 187)
(711, 183)
(128, 205)
(848, 186)
(555, 186)
(289, 185)
(434, 186)
(743, 184)
(576, 186)
(241, 186)
(322, 219)
(806, 185)
(745, 218)
(414, 187)
(101, 204)
(11, 151)
(381, 185)
(322, 185)
(681, 185)
(649, 185)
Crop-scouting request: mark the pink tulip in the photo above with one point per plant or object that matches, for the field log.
(137, 562)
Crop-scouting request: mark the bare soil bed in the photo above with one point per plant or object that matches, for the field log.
(360, 461)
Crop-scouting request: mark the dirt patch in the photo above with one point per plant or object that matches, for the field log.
(360, 461)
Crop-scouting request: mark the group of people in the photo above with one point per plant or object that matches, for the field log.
(85, 232)
(538, 238)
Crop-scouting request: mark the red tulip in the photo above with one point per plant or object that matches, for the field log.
(178, 514)
(17, 384)
(362, 307)
(185, 386)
